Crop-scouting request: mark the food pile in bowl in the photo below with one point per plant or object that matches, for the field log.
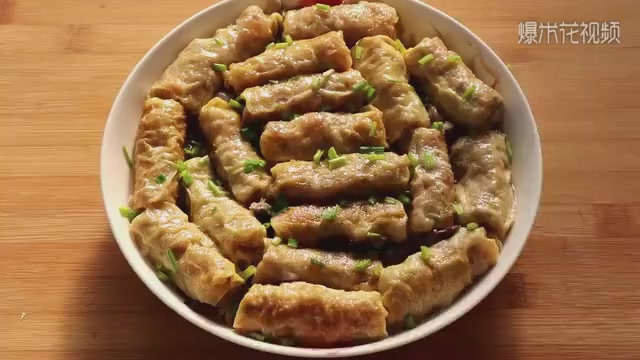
(316, 181)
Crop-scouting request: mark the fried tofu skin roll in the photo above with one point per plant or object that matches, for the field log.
(432, 186)
(355, 20)
(282, 263)
(192, 79)
(166, 237)
(302, 137)
(236, 232)
(360, 222)
(484, 192)
(434, 277)
(303, 94)
(311, 314)
(301, 57)
(235, 159)
(159, 145)
(452, 86)
(347, 176)
(381, 63)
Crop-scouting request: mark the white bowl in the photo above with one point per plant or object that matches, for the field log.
(423, 20)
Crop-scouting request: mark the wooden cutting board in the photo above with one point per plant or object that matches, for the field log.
(67, 293)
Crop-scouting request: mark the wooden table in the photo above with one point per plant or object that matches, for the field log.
(67, 292)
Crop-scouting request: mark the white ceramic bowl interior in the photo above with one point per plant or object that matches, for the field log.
(424, 20)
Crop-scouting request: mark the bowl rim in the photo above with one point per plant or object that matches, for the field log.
(461, 306)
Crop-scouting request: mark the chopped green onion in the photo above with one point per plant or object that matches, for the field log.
(257, 336)
(403, 198)
(248, 272)
(372, 200)
(394, 81)
(375, 157)
(271, 45)
(219, 67)
(253, 165)
(317, 262)
(288, 39)
(458, 208)
(193, 148)
(172, 260)
(438, 125)
(332, 154)
(428, 160)
(371, 93)
(509, 150)
(425, 253)
(362, 265)
(127, 157)
(425, 60)
(372, 235)
(280, 205)
(267, 225)
(276, 241)
(454, 59)
(337, 162)
(128, 213)
(472, 226)
(373, 128)
(469, 92)
(331, 213)
(292, 243)
(181, 166)
(409, 322)
(219, 41)
(214, 188)
(323, 7)
(413, 159)
(282, 45)
(318, 156)
(162, 276)
(214, 210)
(186, 177)
(357, 52)
(361, 86)
(400, 46)
(372, 149)
(160, 179)
(236, 105)
(316, 83)
(390, 200)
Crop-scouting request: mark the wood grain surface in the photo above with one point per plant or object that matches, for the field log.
(67, 292)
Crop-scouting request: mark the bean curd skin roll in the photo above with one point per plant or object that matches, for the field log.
(303, 94)
(235, 159)
(432, 188)
(282, 263)
(158, 146)
(236, 232)
(452, 85)
(199, 270)
(382, 65)
(348, 176)
(355, 20)
(325, 52)
(426, 282)
(313, 315)
(484, 192)
(192, 80)
(302, 137)
(359, 222)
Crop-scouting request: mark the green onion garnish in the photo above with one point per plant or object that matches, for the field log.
(318, 156)
(282, 45)
(181, 166)
(357, 52)
(214, 210)
(187, 179)
(332, 153)
(292, 243)
(160, 179)
(253, 165)
(280, 205)
(425, 253)
(362, 265)
(361, 86)
(128, 213)
(248, 272)
(371, 234)
(316, 83)
(193, 148)
(317, 262)
(509, 150)
(127, 157)
(372, 149)
(400, 46)
(276, 241)
(219, 67)
(469, 92)
(323, 7)
(372, 200)
(288, 39)
(375, 157)
(250, 134)
(394, 81)
(438, 125)
(454, 59)
(403, 198)
(373, 128)
(236, 105)
(425, 60)
(390, 200)
(214, 188)
(219, 41)
(337, 162)
(472, 226)
(413, 159)
(162, 276)
(271, 45)
(428, 160)
(267, 225)
(331, 213)
(172, 260)
(371, 93)
(409, 322)
(458, 208)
